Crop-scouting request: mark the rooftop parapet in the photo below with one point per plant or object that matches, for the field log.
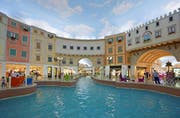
(153, 20)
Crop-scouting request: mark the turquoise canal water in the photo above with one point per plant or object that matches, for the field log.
(91, 100)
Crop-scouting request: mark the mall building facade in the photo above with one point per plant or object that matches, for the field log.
(33, 50)
(152, 40)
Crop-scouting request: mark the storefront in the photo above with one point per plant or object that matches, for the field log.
(36, 72)
(70, 70)
(17, 72)
(55, 72)
(51, 72)
(15, 68)
(176, 72)
(140, 72)
(115, 72)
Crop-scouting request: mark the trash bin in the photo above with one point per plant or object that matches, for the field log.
(29, 81)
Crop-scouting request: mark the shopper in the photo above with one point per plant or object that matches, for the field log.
(3, 84)
(156, 77)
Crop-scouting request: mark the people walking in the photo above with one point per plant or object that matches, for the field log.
(3, 84)
(156, 77)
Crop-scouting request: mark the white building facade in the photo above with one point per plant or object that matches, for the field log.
(152, 40)
(73, 50)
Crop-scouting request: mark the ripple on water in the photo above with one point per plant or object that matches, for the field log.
(91, 100)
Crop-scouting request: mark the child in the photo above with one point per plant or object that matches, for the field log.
(3, 84)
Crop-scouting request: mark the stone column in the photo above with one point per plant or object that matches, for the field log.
(53, 72)
(9, 82)
(62, 73)
(3, 71)
(107, 71)
(27, 72)
(45, 72)
(132, 72)
(102, 72)
(56, 73)
(76, 69)
(93, 71)
(124, 71)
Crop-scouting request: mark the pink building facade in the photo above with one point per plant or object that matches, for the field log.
(18, 41)
(17, 47)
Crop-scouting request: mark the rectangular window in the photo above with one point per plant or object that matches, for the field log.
(137, 40)
(110, 50)
(42, 33)
(129, 42)
(37, 58)
(110, 40)
(120, 59)
(71, 47)
(12, 35)
(35, 31)
(146, 27)
(98, 48)
(13, 23)
(50, 47)
(170, 19)
(129, 34)
(171, 29)
(49, 59)
(137, 31)
(64, 46)
(71, 61)
(64, 61)
(157, 24)
(25, 27)
(92, 48)
(50, 35)
(85, 48)
(8, 34)
(38, 45)
(158, 34)
(98, 61)
(24, 39)
(119, 48)
(12, 52)
(78, 48)
(16, 36)
(110, 60)
(24, 54)
(119, 38)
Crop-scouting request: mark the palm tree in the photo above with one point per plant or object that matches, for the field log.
(168, 64)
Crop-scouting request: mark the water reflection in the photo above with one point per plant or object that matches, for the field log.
(110, 104)
(90, 100)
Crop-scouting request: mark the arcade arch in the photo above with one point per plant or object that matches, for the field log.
(145, 61)
(85, 66)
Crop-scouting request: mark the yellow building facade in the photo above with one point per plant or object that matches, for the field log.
(42, 53)
(116, 56)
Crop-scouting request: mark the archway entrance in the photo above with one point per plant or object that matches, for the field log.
(85, 66)
(154, 60)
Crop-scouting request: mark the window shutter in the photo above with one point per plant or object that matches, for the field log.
(8, 34)
(16, 36)
(110, 40)
(119, 38)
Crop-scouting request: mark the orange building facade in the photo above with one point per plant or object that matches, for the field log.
(18, 41)
(17, 46)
